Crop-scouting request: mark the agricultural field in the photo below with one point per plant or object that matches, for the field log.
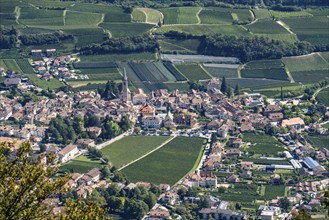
(325, 56)
(262, 144)
(283, 14)
(312, 29)
(267, 162)
(266, 27)
(147, 56)
(180, 15)
(323, 97)
(309, 62)
(180, 45)
(220, 70)
(215, 16)
(276, 91)
(310, 76)
(269, 69)
(201, 29)
(11, 64)
(87, 36)
(131, 148)
(273, 191)
(82, 19)
(126, 29)
(242, 15)
(89, 65)
(138, 15)
(262, 13)
(256, 83)
(41, 17)
(194, 72)
(168, 164)
(53, 83)
(147, 72)
(164, 71)
(152, 16)
(25, 66)
(81, 164)
(172, 69)
(319, 140)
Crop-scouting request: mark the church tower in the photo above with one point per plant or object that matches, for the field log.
(125, 93)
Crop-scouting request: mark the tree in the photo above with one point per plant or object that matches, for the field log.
(284, 204)
(223, 87)
(25, 185)
(301, 215)
(230, 92)
(237, 90)
(326, 200)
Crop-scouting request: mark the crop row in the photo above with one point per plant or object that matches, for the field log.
(174, 72)
(102, 64)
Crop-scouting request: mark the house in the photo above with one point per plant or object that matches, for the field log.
(235, 142)
(84, 143)
(275, 179)
(296, 123)
(152, 122)
(159, 214)
(223, 131)
(147, 110)
(214, 124)
(232, 178)
(140, 97)
(12, 81)
(219, 213)
(246, 165)
(271, 109)
(51, 52)
(169, 197)
(275, 116)
(68, 152)
(247, 127)
(94, 130)
(212, 84)
(36, 52)
(203, 179)
(232, 152)
(42, 70)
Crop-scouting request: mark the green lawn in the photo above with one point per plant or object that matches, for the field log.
(168, 164)
(130, 148)
(272, 191)
(81, 164)
(53, 83)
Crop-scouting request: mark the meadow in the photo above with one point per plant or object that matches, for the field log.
(222, 70)
(319, 140)
(194, 72)
(180, 15)
(308, 62)
(81, 164)
(53, 83)
(130, 148)
(168, 164)
(126, 29)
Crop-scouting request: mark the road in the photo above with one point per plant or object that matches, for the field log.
(102, 145)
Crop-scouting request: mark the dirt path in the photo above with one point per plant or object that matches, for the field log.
(197, 16)
(319, 90)
(163, 144)
(285, 27)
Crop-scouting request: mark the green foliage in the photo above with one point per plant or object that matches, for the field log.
(126, 29)
(193, 72)
(180, 15)
(262, 144)
(81, 164)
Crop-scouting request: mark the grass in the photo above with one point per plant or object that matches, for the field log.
(180, 15)
(323, 97)
(81, 164)
(305, 63)
(77, 19)
(184, 45)
(262, 144)
(130, 148)
(228, 72)
(168, 164)
(261, 13)
(87, 36)
(256, 83)
(215, 16)
(193, 72)
(126, 29)
(119, 57)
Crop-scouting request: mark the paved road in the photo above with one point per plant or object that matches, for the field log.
(102, 145)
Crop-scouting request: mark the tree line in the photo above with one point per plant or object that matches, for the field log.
(38, 39)
(67, 130)
(143, 43)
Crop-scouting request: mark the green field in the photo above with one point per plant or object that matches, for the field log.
(305, 63)
(269, 69)
(53, 83)
(168, 164)
(262, 144)
(193, 72)
(228, 72)
(323, 97)
(138, 15)
(276, 91)
(310, 76)
(283, 14)
(11, 64)
(180, 15)
(182, 45)
(119, 57)
(215, 16)
(319, 140)
(201, 29)
(262, 13)
(81, 164)
(273, 191)
(151, 15)
(126, 29)
(266, 27)
(82, 19)
(256, 83)
(130, 148)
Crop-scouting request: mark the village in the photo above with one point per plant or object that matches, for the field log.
(230, 126)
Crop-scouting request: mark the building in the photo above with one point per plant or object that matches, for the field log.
(152, 122)
(147, 110)
(140, 97)
(12, 81)
(68, 152)
(219, 213)
(125, 94)
(296, 123)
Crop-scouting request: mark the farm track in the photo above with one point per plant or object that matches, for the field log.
(198, 17)
(163, 144)
(285, 26)
(206, 71)
(323, 58)
(64, 17)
